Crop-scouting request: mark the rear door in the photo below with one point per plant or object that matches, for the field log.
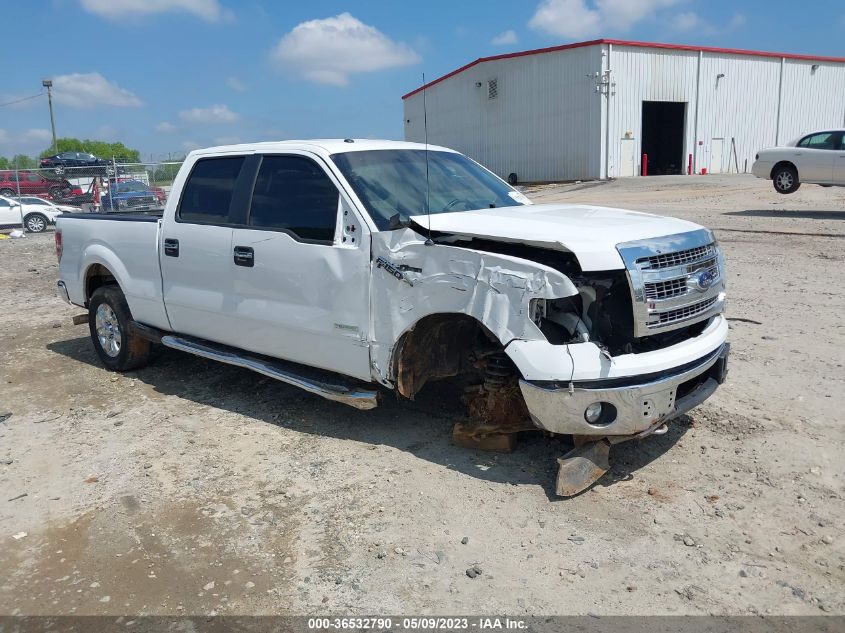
(814, 156)
(300, 268)
(196, 252)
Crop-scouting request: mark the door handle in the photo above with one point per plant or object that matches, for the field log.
(244, 256)
(171, 247)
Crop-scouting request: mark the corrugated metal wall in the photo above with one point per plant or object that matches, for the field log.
(544, 123)
(549, 123)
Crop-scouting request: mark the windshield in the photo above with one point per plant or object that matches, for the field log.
(131, 185)
(392, 184)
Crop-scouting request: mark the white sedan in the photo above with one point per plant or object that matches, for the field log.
(35, 213)
(817, 158)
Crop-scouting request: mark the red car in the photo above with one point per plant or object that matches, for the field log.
(34, 184)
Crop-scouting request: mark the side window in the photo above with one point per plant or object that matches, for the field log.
(33, 178)
(824, 140)
(293, 193)
(4, 203)
(208, 191)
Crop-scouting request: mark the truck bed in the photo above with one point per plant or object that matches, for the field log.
(141, 216)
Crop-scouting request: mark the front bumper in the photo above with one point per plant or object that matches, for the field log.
(630, 407)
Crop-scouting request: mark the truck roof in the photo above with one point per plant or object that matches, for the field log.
(327, 146)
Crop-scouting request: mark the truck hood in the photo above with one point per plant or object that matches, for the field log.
(590, 233)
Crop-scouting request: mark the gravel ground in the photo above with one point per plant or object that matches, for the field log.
(190, 487)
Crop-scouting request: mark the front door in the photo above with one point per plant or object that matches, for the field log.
(814, 156)
(300, 268)
(839, 163)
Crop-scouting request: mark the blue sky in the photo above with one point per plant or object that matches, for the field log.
(165, 76)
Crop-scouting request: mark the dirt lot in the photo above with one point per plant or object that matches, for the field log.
(191, 487)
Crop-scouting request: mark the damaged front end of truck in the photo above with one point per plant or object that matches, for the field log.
(602, 356)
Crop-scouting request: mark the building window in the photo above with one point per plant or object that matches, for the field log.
(492, 88)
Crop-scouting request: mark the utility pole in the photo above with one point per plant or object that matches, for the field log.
(48, 84)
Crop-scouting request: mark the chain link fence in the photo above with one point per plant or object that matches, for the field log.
(107, 187)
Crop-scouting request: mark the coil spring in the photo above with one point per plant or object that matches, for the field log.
(498, 369)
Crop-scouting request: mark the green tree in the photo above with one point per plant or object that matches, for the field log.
(101, 149)
(21, 161)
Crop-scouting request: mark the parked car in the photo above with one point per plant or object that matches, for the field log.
(351, 267)
(81, 162)
(30, 183)
(817, 158)
(35, 213)
(130, 195)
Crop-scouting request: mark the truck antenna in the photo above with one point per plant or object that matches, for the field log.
(429, 241)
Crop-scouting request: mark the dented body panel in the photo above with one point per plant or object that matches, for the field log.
(437, 279)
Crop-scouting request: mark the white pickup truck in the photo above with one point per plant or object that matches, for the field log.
(351, 267)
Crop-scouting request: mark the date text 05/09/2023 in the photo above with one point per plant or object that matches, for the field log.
(415, 623)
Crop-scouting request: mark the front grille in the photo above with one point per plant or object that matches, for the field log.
(657, 290)
(675, 281)
(668, 260)
(682, 314)
(141, 201)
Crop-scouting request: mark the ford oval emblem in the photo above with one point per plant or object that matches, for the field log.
(703, 280)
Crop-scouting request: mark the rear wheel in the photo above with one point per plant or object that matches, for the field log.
(785, 179)
(109, 322)
(6, 192)
(35, 223)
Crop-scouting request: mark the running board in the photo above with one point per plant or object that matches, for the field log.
(326, 387)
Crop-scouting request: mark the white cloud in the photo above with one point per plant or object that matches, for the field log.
(217, 113)
(236, 84)
(686, 21)
(36, 134)
(227, 140)
(580, 18)
(503, 39)
(190, 145)
(738, 20)
(209, 10)
(89, 90)
(165, 126)
(328, 51)
(690, 20)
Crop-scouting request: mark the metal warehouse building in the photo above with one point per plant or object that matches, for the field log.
(592, 109)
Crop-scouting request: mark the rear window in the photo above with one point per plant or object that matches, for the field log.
(208, 192)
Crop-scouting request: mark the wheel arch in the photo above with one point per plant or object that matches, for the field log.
(780, 165)
(436, 346)
(96, 276)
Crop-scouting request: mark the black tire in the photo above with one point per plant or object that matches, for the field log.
(6, 192)
(56, 192)
(785, 179)
(512, 179)
(131, 351)
(35, 222)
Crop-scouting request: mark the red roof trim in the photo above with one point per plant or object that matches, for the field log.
(677, 47)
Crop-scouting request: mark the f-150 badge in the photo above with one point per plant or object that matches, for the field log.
(394, 270)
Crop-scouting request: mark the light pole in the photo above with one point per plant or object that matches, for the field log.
(48, 84)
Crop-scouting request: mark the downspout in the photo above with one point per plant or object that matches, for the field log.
(607, 118)
(780, 96)
(697, 108)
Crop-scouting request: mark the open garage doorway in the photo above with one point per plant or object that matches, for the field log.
(663, 136)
